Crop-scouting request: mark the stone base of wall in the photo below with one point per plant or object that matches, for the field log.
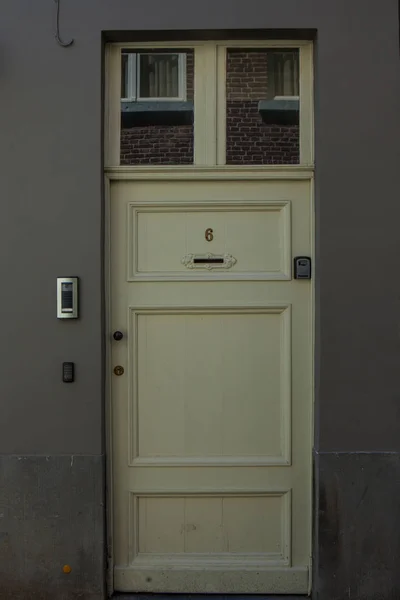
(52, 514)
(357, 524)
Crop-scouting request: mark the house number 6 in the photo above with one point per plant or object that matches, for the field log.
(209, 235)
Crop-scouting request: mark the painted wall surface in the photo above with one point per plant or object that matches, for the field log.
(51, 149)
(52, 215)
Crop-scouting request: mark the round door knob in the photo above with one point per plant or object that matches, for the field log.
(118, 370)
(118, 335)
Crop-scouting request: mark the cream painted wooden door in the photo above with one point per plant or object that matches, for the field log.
(212, 415)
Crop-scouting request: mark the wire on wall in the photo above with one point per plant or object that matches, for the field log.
(57, 34)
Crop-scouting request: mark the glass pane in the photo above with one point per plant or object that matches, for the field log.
(157, 107)
(283, 74)
(262, 107)
(159, 76)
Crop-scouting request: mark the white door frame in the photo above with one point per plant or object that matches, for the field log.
(209, 159)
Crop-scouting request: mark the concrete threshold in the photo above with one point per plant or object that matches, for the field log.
(206, 597)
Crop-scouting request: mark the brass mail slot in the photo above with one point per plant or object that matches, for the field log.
(208, 261)
(213, 261)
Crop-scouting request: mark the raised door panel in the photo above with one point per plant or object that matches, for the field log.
(211, 386)
(245, 528)
(250, 240)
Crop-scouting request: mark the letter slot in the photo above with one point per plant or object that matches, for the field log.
(208, 261)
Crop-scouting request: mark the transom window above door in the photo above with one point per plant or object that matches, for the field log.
(244, 104)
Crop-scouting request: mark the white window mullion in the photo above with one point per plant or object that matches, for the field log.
(221, 105)
(306, 105)
(112, 109)
(205, 105)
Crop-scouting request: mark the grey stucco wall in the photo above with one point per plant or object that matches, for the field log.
(50, 152)
(51, 225)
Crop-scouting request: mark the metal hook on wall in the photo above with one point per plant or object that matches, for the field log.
(57, 34)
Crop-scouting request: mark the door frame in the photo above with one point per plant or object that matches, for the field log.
(208, 165)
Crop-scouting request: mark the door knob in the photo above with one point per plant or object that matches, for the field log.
(118, 335)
